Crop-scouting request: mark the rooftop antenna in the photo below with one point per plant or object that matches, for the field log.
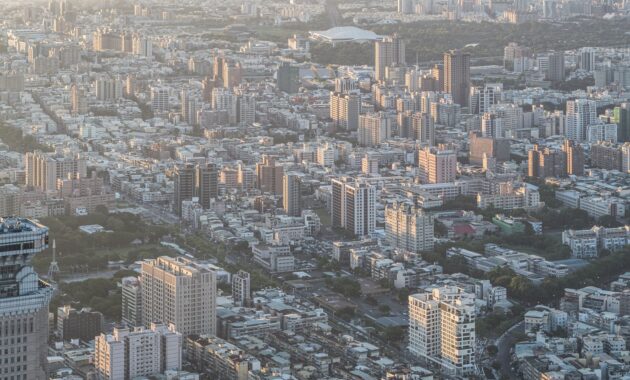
(54, 266)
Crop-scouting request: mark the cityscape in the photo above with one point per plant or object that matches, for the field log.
(315, 190)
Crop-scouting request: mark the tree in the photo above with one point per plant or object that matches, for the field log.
(385, 309)
(608, 221)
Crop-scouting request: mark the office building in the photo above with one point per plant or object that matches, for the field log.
(269, 175)
(408, 228)
(181, 292)
(288, 78)
(24, 301)
(129, 354)
(374, 129)
(131, 302)
(83, 324)
(292, 193)
(43, 170)
(580, 114)
(457, 76)
(442, 329)
(241, 288)
(586, 59)
(388, 52)
(200, 181)
(344, 110)
(353, 206)
(436, 165)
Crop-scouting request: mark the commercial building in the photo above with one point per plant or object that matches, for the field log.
(408, 228)
(180, 292)
(442, 329)
(129, 354)
(24, 300)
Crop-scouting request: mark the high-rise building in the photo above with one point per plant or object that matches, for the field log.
(586, 59)
(43, 170)
(241, 288)
(457, 76)
(408, 228)
(184, 186)
(181, 292)
(206, 183)
(575, 157)
(269, 175)
(555, 68)
(159, 100)
(78, 100)
(24, 300)
(246, 109)
(483, 98)
(344, 110)
(82, 324)
(353, 206)
(369, 164)
(621, 116)
(292, 193)
(547, 162)
(288, 78)
(499, 149)
(130, 354)
(423, 128)
(232, 73)
(374, 129)
(405, 7)
(442, 329)
(131, 301)
(437, 165)
(491, 125)
(189, 107)
(605, 155)
(390, 51)
(108, 89)
(580, 114)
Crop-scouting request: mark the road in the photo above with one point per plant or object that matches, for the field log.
(504, 344)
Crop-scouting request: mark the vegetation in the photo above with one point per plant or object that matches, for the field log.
(17, 141)
(347, 286)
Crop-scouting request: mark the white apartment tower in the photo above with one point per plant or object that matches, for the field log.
(374, 129)
(580, 114)
(408, 228)
(181, 292)
(353, 206)
(442, 329)
(129, 354)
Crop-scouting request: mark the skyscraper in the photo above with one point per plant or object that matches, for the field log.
(547, 162)
(436, 165)
(241, 288)
(390, 51)
(575, 157)
(457, 76)
(288, 78)
(442, 329)
(555, 68)
(24, 301)
(353, 206)
(78, 100)
(291, 193)
(131, 301)
(134, 353)
(181, 292)
(206, 183)
(621, 116)
(159, 100)
(408, 228)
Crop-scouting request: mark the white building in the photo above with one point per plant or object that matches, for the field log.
(408, 228)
